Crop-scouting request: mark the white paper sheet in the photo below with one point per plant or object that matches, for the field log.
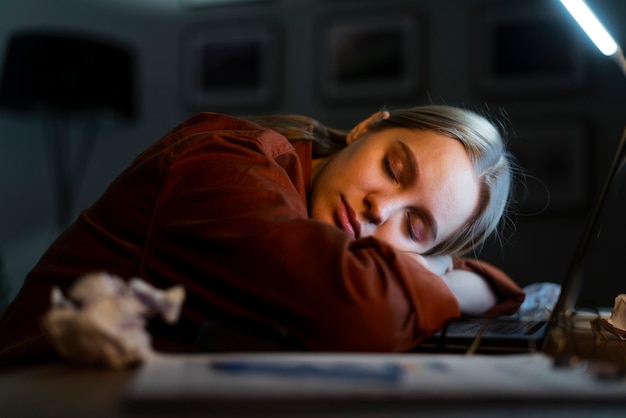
(420, 377)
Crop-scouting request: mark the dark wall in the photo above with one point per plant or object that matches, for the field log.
(524, 62)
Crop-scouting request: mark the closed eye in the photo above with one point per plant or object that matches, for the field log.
(390, 170)
(421, 226)
(400, 164)
(415, 228)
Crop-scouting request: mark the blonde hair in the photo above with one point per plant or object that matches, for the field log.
(482, 140)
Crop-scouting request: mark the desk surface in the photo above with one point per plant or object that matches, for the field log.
(62, 390)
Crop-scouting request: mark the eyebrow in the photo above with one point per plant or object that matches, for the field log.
(412, 174)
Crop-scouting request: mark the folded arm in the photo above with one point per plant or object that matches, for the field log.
(473, 292)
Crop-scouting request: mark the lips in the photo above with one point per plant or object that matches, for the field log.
(347, 219)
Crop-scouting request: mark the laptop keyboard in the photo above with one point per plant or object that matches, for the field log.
(497, 326)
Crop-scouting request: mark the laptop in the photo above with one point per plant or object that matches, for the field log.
(518, 334)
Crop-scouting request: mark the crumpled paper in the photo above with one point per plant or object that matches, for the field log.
(616, 323)
(541, 297)
(102, 319)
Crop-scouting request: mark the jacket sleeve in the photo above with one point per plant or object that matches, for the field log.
(219, 206)
(510, 295)
(231, 224)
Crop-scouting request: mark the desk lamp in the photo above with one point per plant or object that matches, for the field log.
(595, 30)
(605, 43)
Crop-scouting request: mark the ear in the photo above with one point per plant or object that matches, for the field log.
(364, 126)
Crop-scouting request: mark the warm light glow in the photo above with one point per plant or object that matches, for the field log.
(592, 26)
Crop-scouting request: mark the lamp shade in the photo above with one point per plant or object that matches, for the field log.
(67, 72)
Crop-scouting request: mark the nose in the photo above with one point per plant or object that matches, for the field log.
(378, 207)
(372, 211)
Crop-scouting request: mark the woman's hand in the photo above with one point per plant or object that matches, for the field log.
(475, 296)
(473, 293)
(438, 264)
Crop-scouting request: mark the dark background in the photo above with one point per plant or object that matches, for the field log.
(524, 62)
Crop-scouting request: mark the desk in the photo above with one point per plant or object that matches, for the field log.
(61, 390)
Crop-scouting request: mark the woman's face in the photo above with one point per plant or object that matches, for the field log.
(411, 188)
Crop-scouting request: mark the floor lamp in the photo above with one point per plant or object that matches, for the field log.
(65, 77)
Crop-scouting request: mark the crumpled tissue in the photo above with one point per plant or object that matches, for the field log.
(102, 319)
(616, 323)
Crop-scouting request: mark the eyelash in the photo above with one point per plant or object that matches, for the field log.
(389, 169)
(392, 175)
(415, 237)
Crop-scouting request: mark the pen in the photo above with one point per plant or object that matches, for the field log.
(381, 372)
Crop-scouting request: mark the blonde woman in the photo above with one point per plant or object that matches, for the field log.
(342, 241)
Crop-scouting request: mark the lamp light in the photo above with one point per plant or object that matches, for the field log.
(595, 30)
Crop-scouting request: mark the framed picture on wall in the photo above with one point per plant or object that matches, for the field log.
(526, 47)
(231, 67)
(373, 58)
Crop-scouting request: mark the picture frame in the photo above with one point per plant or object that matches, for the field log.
(234, 66)
(526, 48)
(370, 59)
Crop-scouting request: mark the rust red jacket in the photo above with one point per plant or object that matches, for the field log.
(219, 205)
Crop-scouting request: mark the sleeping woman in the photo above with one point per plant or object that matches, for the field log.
(344, 241)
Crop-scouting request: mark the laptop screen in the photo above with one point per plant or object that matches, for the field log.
(594, 277)
(603, 268)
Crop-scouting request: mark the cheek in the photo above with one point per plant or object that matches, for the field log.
(461, 203)
(392, 233)
(321, 205)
